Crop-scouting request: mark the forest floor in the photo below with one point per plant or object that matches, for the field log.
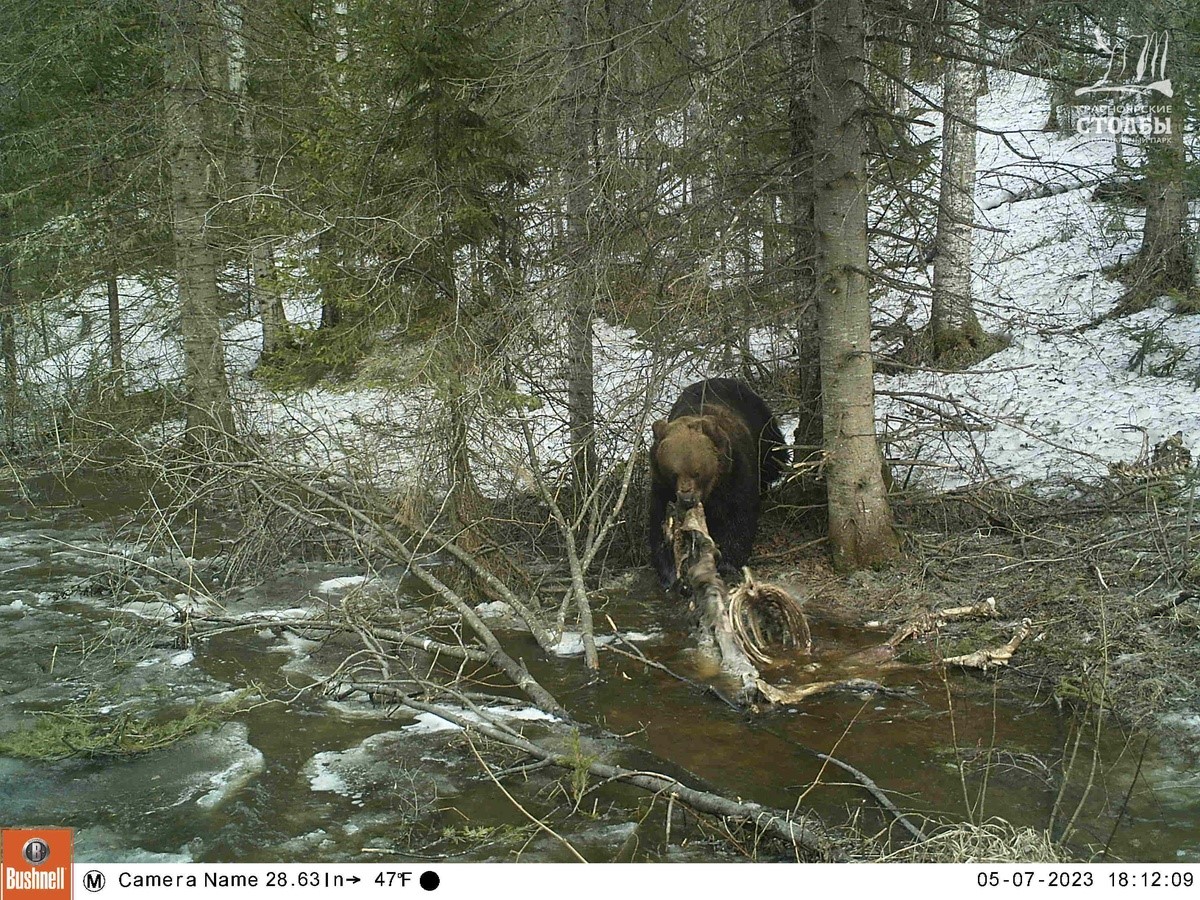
(1107, 580)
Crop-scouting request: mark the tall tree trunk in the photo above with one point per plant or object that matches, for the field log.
(462, 386)
(267, 296)
(190, 27)
(263, 289)
(1164, 261)
(903, 102)
(329, 264)
(982, 84)
(861, 532)
(8, 347)
(955, 335)
(116, 348)
(809, 434)
(578, 89)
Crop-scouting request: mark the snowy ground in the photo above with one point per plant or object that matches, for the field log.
(1053, 401)
(1050, 405)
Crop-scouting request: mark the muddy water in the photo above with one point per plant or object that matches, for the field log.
(316, 779)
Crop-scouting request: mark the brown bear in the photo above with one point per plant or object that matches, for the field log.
(720, 446)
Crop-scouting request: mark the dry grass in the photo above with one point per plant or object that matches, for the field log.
(994, 841)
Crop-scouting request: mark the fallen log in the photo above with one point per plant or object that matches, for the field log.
(738, 628)
(696, 559)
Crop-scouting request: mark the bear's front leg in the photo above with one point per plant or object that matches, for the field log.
(662, 554)
(734, 537)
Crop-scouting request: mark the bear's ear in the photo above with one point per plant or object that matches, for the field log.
(660, 430)
(715, 433)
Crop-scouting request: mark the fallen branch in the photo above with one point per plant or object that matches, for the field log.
(998, 656)
(803, 832)
(855, 684)
(1040, 189)
(1171, 603)
(362, 528)
(874, 790)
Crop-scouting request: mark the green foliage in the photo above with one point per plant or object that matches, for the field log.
(478, 835)
(77, 116)
(1079, 689)
(1154, 354)
(580, 765)
(82, 730)
(415, 152)
(953, 348)
(313, 355)
(1115, 223)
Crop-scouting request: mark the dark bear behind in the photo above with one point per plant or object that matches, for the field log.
(722, 447)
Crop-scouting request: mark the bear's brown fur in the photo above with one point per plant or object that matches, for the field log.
(695, 452)
(720, 446)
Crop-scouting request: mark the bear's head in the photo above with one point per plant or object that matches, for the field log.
(692, 454)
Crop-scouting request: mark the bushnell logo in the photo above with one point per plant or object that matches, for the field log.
(36, 851)
(35, 864)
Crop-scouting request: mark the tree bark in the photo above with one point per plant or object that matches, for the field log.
(264, 291)
(1165, 260)
(903, 102)
(329, 264)
(861, 532)
(578, 90)
(190, 56)
(116, 349)
(8, 346)
(808, 436)
(954, 330)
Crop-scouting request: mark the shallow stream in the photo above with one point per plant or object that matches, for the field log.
(316, 779)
